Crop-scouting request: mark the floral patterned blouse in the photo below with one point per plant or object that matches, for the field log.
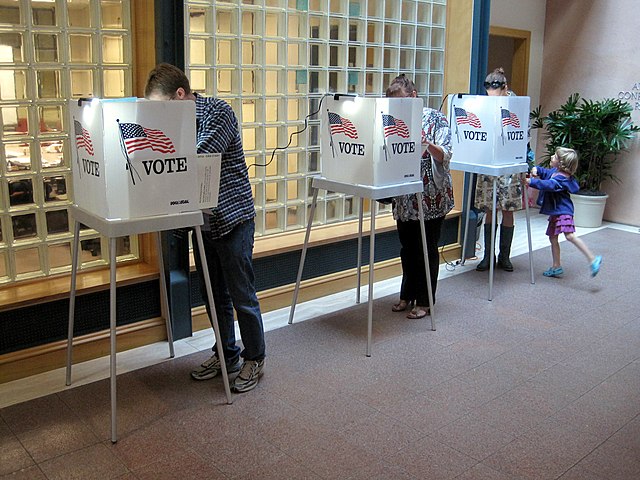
(437, 199)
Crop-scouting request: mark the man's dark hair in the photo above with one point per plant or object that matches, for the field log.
(166, 79)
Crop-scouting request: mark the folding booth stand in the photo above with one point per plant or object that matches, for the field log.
(494, 171)
(373, 193)
(135, 170)
(489, 137)
(112, 229)
(370, 148)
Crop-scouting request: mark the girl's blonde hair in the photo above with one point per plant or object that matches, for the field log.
(567, 159)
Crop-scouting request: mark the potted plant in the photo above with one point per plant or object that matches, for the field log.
(598, 130)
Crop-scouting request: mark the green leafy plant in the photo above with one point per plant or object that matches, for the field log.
(597, 129)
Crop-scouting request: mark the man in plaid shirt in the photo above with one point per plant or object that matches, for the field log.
(228, 232)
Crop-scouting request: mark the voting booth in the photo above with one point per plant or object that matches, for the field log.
(371, 141)
(135, 158)
(489, 130)
(135, 170)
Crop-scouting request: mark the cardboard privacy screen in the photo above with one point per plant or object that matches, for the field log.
(489, 130)
(135, 158)
(371, 141)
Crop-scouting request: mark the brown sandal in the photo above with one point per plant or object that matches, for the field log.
(401, 306)
(418, 312)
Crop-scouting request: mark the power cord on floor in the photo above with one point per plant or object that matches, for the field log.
(451, 266)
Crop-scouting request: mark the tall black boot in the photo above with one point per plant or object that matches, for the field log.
(506, 237)
(485, 262)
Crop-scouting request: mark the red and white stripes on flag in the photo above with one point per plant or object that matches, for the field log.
(466, 118)
(83, 139)
(509, 118)
(338, 124)
(394, 126)
(137, 137)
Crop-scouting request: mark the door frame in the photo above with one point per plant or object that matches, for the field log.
(519, 81)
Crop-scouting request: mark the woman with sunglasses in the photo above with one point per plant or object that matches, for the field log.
(509, 192)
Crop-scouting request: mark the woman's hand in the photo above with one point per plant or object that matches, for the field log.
(436, 152)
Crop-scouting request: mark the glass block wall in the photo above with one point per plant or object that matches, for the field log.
(273, 60)
(52, 51)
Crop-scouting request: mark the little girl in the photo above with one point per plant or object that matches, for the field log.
(555, 184)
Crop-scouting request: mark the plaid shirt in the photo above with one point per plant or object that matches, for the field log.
(217, 132)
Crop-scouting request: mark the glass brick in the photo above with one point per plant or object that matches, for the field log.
(43, 13)
(81, 83)
(48, 83)
(15, 120)
(114, 83)
(13, 84)
(79, 13)
(27, 261)
(55, 188)
(52, 153)
(57, 222)
(24, 226)
(112, 14)
(225, 22)
(20, 193)
(18, 156)
(11, 13)
(59, 255)
(50, 119)
(3, 265)
(112, 49)
(11, 47)
(199, 17)
(80, 50)
(46, 47)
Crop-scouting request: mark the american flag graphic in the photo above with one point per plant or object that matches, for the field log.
(83, 139)
(509, 118)
(466, 118)
(137, 137)
(337, 124)
(394, 126)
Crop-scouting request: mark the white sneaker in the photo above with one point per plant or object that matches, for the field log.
(248, 377)
(212, 367)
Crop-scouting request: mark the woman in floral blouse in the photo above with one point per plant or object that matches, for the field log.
(437, 202)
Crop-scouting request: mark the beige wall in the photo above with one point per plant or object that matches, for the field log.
(591, 47)
(524, 15)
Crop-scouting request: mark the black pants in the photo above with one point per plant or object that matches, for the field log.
(414, 278)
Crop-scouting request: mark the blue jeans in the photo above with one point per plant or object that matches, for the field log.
(232, 281)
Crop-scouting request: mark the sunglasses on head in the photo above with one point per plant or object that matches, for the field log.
(493, 84)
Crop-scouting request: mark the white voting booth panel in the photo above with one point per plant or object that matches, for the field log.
(489, 130)
(371, 141)
(135, 158)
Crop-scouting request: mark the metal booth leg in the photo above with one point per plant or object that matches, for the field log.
(427, 267)
(214, 317)
(526, 209)
(492, 256)
(312, 213)
(359, 259)
(112, 337)
(466, 228)
(164, 298)
(72, 299)
(372, 250)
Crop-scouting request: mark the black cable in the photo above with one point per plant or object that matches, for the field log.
(443, 100)
(306, 125)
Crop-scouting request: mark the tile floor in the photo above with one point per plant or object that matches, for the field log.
(542, 382)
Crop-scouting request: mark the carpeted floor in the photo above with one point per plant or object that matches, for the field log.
(541, 383)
